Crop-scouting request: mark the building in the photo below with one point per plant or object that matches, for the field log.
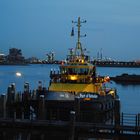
(2, 58)
(15, 56)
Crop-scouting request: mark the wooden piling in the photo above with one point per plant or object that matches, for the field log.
(4, 107)
(41, 108)
(77, 108)
(117, 116)
(72, 125)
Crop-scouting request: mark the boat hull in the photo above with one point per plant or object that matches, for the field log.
(97, 109)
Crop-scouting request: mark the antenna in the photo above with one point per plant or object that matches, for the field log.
(78, 44)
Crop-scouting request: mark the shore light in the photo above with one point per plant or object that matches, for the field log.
(18, 74)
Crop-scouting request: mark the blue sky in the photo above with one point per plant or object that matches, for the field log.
(40, 26)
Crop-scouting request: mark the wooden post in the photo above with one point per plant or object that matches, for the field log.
(72, 125)
(42, 137)
(4, 106)
(136, 124)
(29, 136)
(41, 108)
(117, 116)
(122, 118)
(22, 115)
(19, 136)
(15, 115)
(77, 108)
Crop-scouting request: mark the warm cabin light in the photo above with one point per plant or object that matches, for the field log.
(73, 77)
(18, 74)
(112, 92)
(106, 79)
(82, 61)
(87, 99)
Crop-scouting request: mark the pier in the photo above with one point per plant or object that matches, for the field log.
(104, 63)
(129, 128)
(29, 114)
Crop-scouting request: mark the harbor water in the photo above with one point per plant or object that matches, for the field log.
(129, 94)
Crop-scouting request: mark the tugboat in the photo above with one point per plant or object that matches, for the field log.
(76, 87)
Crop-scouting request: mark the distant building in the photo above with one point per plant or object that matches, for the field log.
(2, 58)
(15, 56)
(32, 60)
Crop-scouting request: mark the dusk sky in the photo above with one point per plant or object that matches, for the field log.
(40, 26)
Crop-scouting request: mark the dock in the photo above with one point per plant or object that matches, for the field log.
(103, 63)
(129, 128)
(29, 116)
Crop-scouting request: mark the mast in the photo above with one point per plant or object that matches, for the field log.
(78, 44)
